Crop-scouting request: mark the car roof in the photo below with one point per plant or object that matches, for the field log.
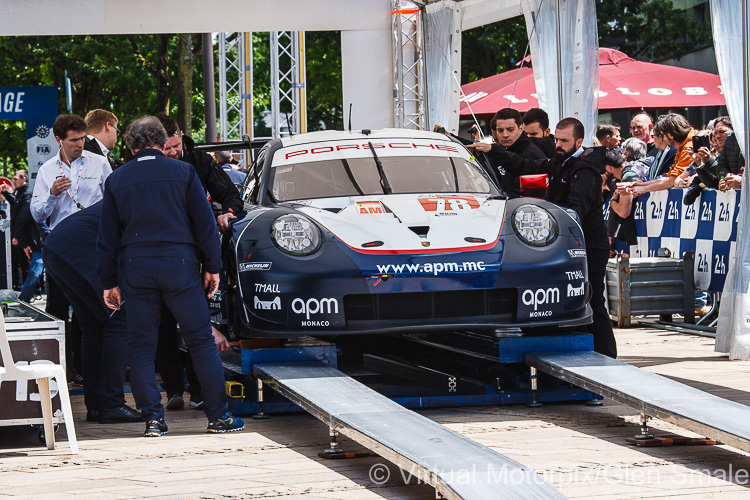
(386, 133)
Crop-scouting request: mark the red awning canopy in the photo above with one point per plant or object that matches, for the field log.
(623, 83)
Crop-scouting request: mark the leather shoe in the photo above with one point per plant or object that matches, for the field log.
(92, 416)
(123, 413)
(175, 402)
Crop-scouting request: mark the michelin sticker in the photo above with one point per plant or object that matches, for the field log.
(254, 266)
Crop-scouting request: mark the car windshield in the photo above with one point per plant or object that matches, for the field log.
(359, 176)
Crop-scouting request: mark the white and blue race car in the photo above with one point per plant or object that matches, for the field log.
(391, 231)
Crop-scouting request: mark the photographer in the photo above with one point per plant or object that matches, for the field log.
(723, 172)
(704, 165)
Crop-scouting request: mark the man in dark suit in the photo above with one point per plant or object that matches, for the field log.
(105, 344)
(101, 134)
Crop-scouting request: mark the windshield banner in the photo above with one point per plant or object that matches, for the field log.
(337, 150)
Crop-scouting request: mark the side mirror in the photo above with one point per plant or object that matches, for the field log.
(534, 182)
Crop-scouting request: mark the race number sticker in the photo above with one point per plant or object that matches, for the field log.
(448, 203)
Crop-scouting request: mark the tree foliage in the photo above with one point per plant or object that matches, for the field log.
(134, 75)
(650, 30)
(647, 30)
(492, 49)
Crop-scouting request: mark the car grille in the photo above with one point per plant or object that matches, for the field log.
(431, 305)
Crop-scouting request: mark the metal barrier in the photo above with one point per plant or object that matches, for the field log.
(651, 285)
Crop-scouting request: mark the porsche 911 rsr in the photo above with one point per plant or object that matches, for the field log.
(396, 230)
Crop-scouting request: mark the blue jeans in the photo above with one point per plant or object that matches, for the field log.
(35, 272)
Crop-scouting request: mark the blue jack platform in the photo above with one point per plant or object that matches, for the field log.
(416, 370)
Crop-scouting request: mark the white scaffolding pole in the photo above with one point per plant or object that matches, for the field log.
(409, 91)
(288, 93)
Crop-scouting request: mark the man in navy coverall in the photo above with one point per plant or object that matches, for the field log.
(104, 359)
(156, 222)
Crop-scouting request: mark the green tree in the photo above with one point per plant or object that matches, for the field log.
(647, 30)
(650, 30)
(492, 49)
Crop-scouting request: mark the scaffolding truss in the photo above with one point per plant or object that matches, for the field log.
(288, 92)
(409, 92)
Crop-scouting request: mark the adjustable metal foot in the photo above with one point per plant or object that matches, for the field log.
(595, 401)
(644, 428)
(260, 415)
(334, 442)
(532, 377)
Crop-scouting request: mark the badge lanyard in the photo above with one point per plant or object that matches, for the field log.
(78, 181)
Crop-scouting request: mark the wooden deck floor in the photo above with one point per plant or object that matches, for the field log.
(579, 449)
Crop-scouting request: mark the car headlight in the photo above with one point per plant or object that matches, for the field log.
(534, 225)
(295, 235)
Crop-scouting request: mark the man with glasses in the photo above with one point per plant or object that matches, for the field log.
(642, 127)
(101, 134)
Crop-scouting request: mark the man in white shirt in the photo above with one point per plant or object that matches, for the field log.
(71, 180)
(68, 182)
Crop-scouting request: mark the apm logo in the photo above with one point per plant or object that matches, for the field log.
(541, 297)
(315, 306)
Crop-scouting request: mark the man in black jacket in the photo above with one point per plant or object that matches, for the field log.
(577, 183)
(214, 180)
(536, 127)
(510, 135)
(101, 134)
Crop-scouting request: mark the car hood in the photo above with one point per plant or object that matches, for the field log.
(411, 223)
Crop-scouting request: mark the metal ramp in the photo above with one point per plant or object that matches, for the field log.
(653, 395)
(456, 466)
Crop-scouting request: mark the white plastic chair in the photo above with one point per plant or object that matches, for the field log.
(41, 373)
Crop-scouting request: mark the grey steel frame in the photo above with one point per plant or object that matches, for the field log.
(235, 88)
(409, 85)
(651, 394)
(288, 85)
(422, 448)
